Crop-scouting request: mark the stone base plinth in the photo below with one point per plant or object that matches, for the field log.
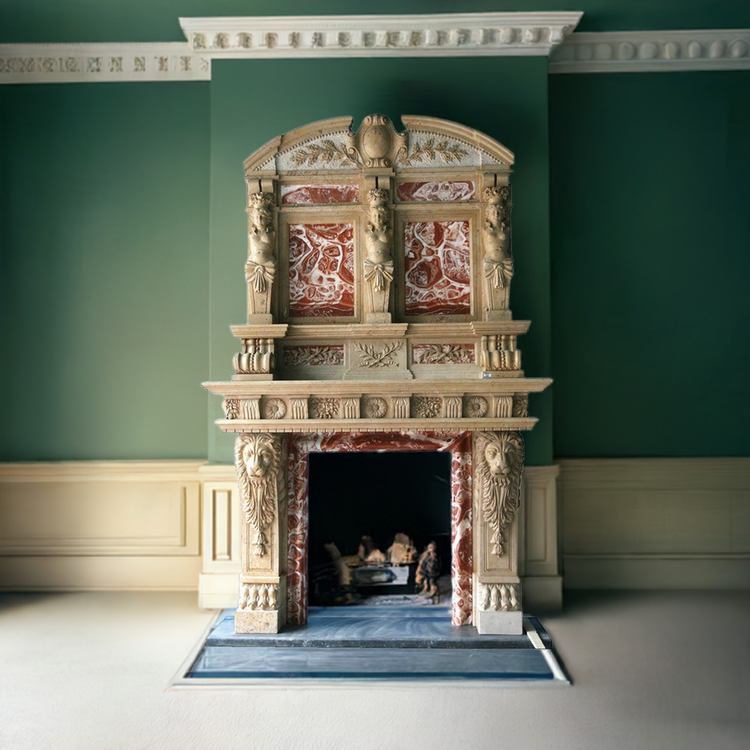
(257, 621)
(500, 623)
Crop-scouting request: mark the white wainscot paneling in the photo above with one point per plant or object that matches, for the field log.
(656, 523)
(100, 524)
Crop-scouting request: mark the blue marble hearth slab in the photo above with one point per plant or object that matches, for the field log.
(372, 663)
(369, 631)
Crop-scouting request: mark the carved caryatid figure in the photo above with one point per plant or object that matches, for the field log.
(498, 261)
(500, 463)
(257, 460)
(260, 268)
(378, 243)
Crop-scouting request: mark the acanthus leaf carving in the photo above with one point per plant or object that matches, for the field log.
(257, 460)
(259, 596)
(324, 408)
(499, 466)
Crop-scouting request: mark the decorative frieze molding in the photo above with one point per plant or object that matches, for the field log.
(436, 35)
(110, 62)
(651, 51)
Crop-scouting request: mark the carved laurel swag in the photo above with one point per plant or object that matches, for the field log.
(378, 356)
(257, 459)
(499, 466)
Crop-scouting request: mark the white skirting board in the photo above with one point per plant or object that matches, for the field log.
(655, 523)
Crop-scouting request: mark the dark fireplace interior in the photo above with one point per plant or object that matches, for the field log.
(377, 495)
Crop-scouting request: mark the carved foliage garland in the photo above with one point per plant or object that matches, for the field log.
(256, 459)
(499, 466)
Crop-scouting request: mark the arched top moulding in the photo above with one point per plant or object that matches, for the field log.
(426, 143)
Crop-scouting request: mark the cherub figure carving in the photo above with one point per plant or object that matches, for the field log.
(500, 463)
(260, 268)
(257, 460)
(498, 261)
(378, 240)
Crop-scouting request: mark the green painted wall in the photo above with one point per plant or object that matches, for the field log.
(253, 101)
(103, 271)
(650, 217)
(25, 21)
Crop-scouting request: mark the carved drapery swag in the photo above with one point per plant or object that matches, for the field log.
(500, 463)
(257, 460)
(498, 261)
(260, 269)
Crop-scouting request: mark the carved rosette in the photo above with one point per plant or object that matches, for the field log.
(257, 460)
(260, 269)
(499, 468)
(500, 597)
(497, 265)
(378, 262)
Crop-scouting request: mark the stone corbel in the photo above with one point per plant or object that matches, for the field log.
(499, 353)
(261, 265)
(497, 265)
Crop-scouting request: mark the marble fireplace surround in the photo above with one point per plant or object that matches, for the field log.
(378, 274)
(457, 444)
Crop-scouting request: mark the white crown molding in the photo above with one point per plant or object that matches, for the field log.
(108, 62)
(437, 35)
(652, 51)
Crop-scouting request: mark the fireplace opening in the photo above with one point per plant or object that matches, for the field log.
(372, 517)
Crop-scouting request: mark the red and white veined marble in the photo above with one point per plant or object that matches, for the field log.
(321, 270)
(308, 195)
(437, 268)
(300, 447)
(436, 191)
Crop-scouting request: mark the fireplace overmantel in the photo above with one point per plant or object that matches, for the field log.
(378, 273)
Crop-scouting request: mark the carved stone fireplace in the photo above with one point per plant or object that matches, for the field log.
(378, 274)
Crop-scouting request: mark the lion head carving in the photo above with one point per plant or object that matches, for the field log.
(257, 460)
(500, 463)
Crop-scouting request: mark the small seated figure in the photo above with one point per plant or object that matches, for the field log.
(428, 571)
(368, 552)
(402, 551)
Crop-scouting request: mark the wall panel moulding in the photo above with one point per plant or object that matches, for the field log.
(440, 35)
(653, 51)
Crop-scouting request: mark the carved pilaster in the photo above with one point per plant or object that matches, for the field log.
(378, 263)
(497, 265)
(260, 462)
(260, 269)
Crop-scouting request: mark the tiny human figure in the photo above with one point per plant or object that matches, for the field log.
(428, 570)
(402, 551)
(368, 552)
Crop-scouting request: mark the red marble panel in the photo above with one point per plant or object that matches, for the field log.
(437, 268)
(443, 354)
(321, 270)
(458, 444)
(436, 191)
(307, 195)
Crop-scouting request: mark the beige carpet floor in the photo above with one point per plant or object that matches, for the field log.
(651, 671)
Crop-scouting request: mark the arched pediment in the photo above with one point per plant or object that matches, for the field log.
(425, 143)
